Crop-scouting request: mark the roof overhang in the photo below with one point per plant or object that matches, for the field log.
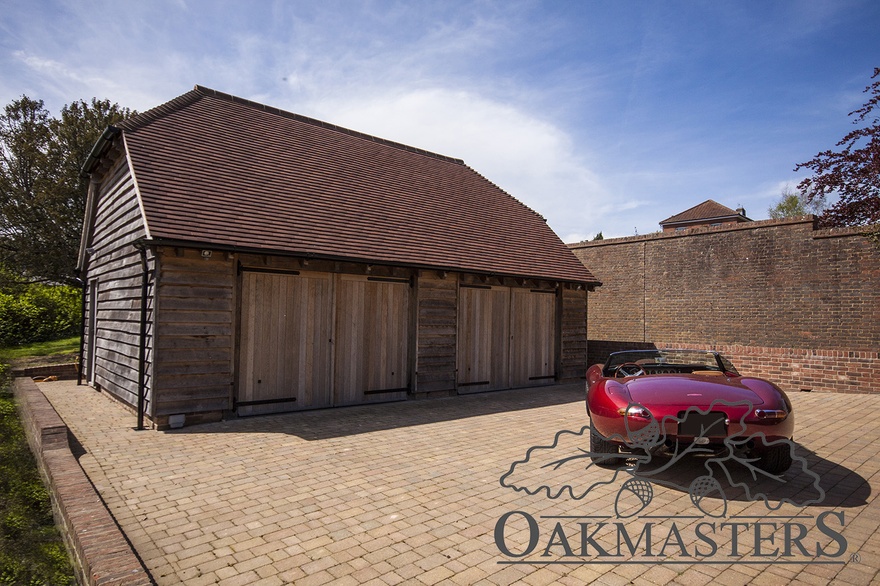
(99, 150)
(197, 245)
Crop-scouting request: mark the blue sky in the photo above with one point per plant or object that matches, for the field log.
(602, 116)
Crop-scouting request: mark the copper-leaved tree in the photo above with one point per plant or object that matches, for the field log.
(853, 172)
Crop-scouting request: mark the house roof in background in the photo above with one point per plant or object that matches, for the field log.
(708, 210)
(212, 168)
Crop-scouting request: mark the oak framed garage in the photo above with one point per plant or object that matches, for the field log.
(240, 259)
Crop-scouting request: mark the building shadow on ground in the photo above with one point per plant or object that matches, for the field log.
(320, 424)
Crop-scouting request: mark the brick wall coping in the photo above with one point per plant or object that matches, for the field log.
(102, 555)
(809, 219)
(62, 371)
(823, 353)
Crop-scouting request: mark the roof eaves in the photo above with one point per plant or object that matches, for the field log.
(102, 145)
(195, 244)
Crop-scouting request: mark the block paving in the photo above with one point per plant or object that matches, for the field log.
(411, 493)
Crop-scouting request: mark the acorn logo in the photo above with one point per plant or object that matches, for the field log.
(633, 497)
(708, 486)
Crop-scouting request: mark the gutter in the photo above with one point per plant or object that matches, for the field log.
(82, 325)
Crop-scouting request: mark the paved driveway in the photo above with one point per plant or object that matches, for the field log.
(412, 493)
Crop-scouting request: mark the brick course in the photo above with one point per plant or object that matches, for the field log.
(785, 300)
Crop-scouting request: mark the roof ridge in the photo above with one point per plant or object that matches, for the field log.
(709, 202)
(206, 91)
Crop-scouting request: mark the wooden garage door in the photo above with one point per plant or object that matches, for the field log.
(483, 338)
(506, 338)
(302, 346)
(285, 342)
(372, 339)
(533, 337)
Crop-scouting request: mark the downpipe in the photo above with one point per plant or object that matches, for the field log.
(142, 344)
(83, 282)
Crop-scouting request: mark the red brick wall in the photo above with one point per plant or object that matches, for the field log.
(785, 300)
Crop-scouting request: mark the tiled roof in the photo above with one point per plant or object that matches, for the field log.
(708, 210)
(215, 169)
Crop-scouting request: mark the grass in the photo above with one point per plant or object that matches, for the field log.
(32, 552)
(41, 353)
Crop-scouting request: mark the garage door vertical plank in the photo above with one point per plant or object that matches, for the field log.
(315, 348)
(518, 370)
(312, 359)
(308, 357)
(346, 301)
(246, 379)
(402, 362)
(467, 338)
(500, 321)
(295, 300)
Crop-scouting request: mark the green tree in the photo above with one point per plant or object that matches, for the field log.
(24, 145)
(42, 193)
(794, 203)
(853, 172)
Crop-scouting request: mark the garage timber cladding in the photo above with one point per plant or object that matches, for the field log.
(238, 259)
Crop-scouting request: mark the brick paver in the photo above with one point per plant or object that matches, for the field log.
(409, 493)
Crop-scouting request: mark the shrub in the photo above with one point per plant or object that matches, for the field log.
(39, 313)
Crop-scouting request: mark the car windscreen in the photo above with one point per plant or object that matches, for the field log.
(692, 358)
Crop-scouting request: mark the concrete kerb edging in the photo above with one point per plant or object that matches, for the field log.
(102, 555)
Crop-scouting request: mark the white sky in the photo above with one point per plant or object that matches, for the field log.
(602, 116)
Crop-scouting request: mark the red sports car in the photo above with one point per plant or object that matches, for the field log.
(655, 401)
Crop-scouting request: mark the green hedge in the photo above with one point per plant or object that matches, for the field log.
(39, 313)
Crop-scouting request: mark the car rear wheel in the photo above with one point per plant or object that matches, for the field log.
(775, 459)
(603, 450)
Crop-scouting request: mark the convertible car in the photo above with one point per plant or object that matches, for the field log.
(673, 401)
